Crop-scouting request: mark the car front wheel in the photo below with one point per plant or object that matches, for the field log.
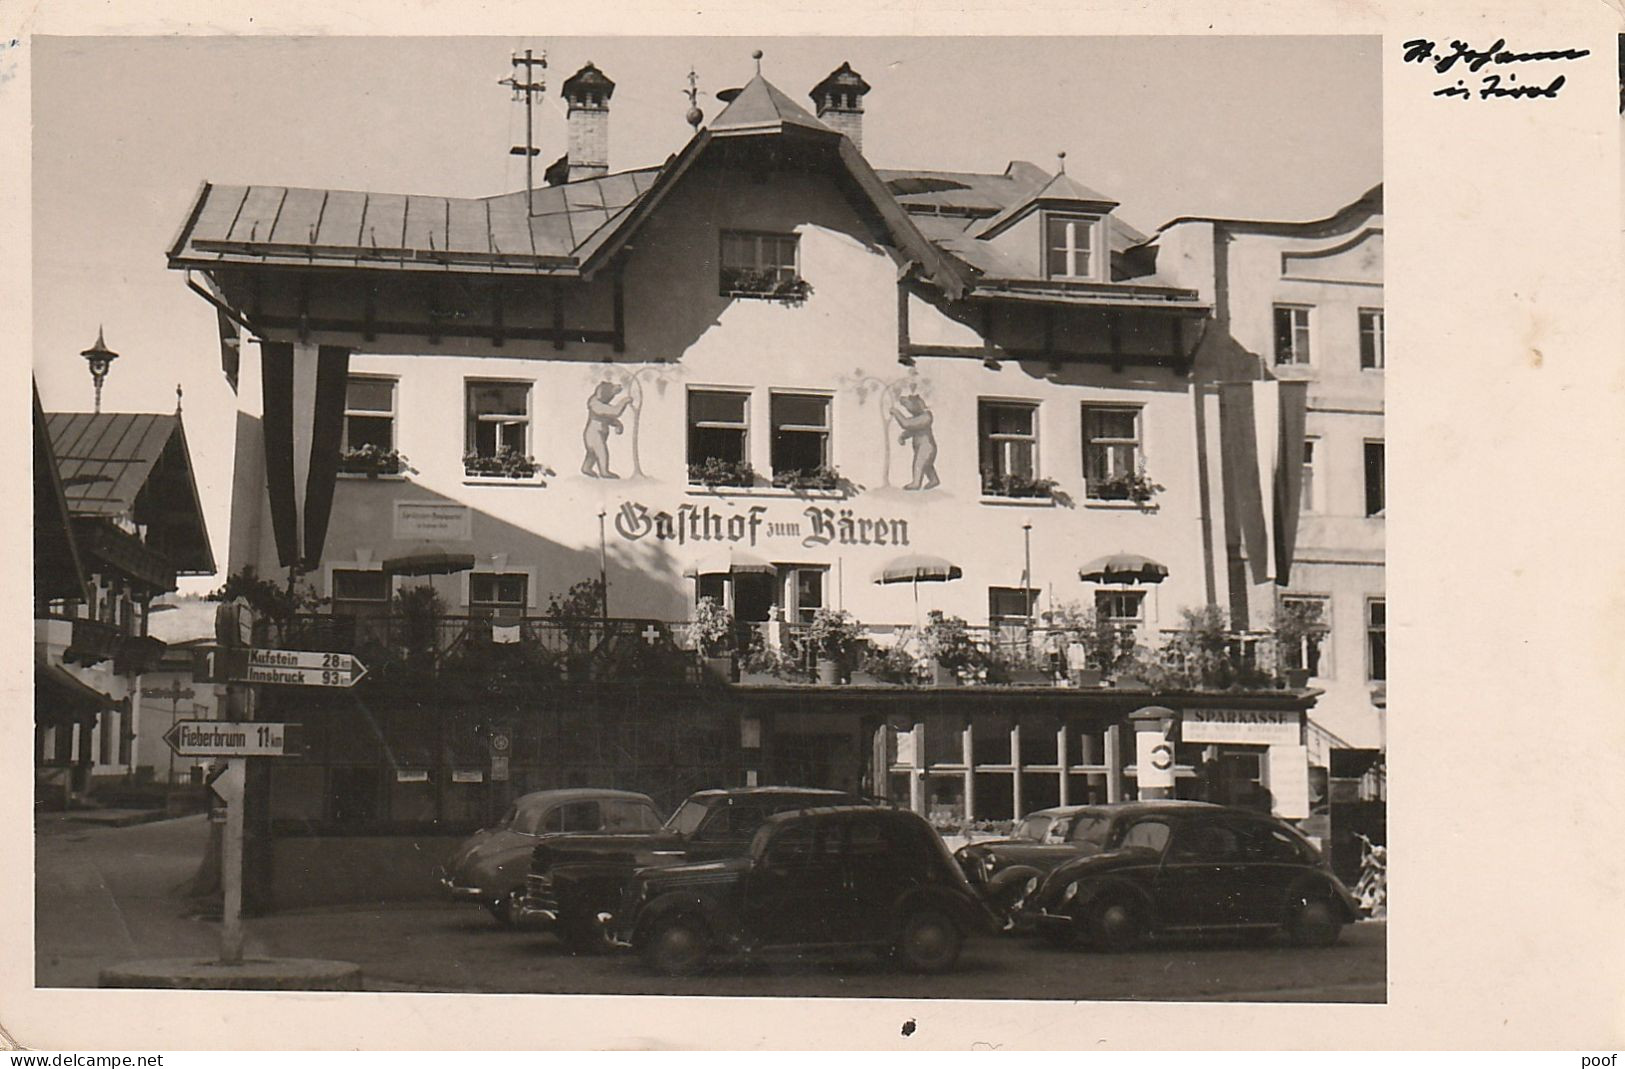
(929, 942)
(1314, 923)
(1116, 924)
(676, 946)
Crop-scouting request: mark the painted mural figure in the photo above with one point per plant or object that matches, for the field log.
(915, 419)
(603, 415)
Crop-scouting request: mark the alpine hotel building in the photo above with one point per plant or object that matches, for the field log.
(762, 372)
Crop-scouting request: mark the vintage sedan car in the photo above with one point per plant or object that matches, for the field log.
(849, 877)
(1167, 867)
(489, 867)
(575, 879)
(1006, 870)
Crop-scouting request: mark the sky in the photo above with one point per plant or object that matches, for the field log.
(126, 130)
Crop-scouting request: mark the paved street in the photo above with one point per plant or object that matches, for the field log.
(106, 895)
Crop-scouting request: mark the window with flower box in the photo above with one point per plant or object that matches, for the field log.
(1008, 432)
(759, 265)
(498, 436)
(368, 447)
(801, 430)
(719, 438)
(1112, 456)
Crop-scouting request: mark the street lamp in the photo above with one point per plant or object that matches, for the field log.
(100, 358)
(1027, 578)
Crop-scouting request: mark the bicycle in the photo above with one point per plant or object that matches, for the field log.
(1372, 889)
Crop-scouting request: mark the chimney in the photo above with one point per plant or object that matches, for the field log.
(840, 102)
(587, 93)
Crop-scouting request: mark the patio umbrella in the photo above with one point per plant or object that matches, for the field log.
(1123, 568)
(729, 562)
(917, 568)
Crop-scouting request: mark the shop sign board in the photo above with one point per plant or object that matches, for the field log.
(432, 521)
(1253, 727)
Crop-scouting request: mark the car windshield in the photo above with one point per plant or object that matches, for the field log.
(508, 817)
(687, 818)
(1040, 829)
(526, 821)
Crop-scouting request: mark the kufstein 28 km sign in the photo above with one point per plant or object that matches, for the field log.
(231, 738)
(303, 668)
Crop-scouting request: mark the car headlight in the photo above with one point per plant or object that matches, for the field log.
(1029, 887)
(1070, 892)
(986, 862)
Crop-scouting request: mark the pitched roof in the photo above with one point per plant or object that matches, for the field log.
(59, 571)
(1060, 190)
(288, 225)
(761, 108)
(107, 459)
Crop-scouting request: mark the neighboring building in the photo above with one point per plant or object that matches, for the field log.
(1303, 302)
(127, 486)
(976, 367)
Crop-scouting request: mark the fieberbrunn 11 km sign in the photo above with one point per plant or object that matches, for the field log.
(232, 738)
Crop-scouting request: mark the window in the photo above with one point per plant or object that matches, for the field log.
(1291, 334)
(1206, 842)
(1009, 443)
(360, 593)
(717, 426)
(489, 592)
(800, 433)
(1376, 640)
(757, 263)
(1069, 242)
(1312, 651)
(1146, 835)
(369, 413)
(1372, 354)
(575, 816)
(1307, 500)
(1376, 500)
(803, 593)
(1111, 445)
(498, 418)
(1009, 605)
(1124, 608)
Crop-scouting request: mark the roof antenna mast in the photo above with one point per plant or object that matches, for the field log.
(532, 87)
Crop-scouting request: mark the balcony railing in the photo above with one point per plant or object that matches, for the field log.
(574, 649)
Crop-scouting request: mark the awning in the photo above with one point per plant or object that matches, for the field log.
(729, 562)
(430, 559)
(60, 696)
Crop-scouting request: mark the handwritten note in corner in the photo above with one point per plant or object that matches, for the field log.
(1463, 58)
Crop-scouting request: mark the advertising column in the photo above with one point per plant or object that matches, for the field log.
(1154, 751)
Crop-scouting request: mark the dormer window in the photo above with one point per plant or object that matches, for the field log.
(1070, 244)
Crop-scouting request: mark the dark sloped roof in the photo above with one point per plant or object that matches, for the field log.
(59, 571)
(106, 459)
(1060, 190)
(281, 224)
(761, 108)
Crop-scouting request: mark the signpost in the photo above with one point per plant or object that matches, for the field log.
(302, 668)
(235, 741)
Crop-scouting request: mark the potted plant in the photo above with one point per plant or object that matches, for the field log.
(1016, 485)
(823, 477)
(773, 285)
(834, 636)
(713, 631)
(1298, 625)
(947, 641)
(1094, 645)
(506, 463)
(761, 664)
(890, 664)
(1133, 486)
(715, 471)
(372, 461)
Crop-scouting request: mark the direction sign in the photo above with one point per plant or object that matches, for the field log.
(302, 668)
(232, 738)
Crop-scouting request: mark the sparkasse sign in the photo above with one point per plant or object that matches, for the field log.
(1259, 727)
